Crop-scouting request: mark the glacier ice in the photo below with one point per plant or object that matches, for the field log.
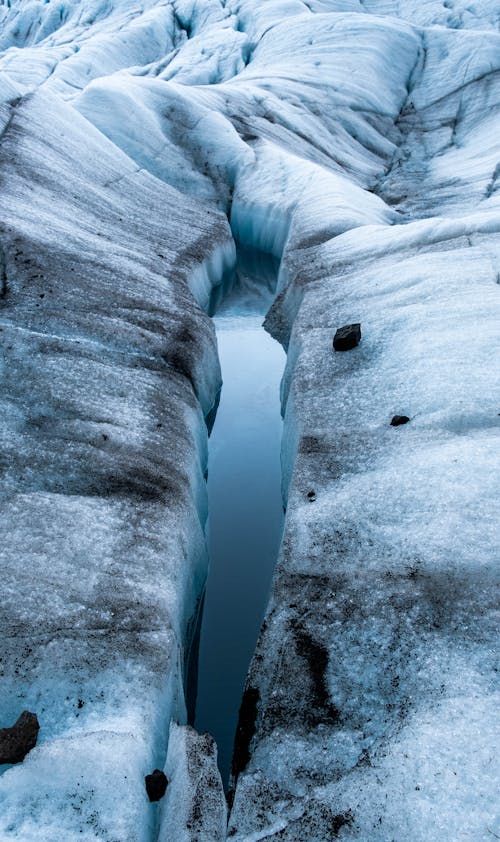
(358, 143)
(195, 804)
(109, 367)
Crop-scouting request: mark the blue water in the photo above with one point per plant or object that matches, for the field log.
(245, 506)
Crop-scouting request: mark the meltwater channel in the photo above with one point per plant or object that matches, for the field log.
(245, 504)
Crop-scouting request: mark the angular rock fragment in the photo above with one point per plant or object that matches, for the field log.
(156, 785)
(397, 420)
(19, 739)
(347, 337)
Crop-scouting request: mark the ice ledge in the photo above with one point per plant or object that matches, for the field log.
(195, 805)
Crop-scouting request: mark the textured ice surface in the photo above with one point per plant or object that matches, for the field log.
(376, 667)
(108, 367)
(359, 142)
(195, 804)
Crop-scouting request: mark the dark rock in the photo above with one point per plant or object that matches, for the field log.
(347, 337)
(398, 420)
(19, 739)
(156, 785)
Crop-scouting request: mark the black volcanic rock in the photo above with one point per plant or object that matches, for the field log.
(19, 739)
(347, 337)
(156, 785)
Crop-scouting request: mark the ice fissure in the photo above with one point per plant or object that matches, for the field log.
(358, 143)
(244, 494)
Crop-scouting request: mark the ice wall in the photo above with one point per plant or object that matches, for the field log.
(369, 709)
(109, 367)
(359, 142)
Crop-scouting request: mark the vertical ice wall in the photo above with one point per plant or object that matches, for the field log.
(108, 368)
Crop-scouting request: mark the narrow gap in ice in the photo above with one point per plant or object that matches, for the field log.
(245, 504)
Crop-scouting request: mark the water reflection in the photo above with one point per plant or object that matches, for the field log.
(245, 507)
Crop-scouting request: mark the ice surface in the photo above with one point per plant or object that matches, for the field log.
(109, 367)
(84, 787)
(195, 804)
(357, 141)
(380, 640)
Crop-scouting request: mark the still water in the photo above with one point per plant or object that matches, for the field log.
(245, 506)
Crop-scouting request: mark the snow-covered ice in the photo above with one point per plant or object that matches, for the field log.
(109, 367)
(358, 142)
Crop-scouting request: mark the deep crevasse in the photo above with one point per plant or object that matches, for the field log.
(244, 496)
(358, 142)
